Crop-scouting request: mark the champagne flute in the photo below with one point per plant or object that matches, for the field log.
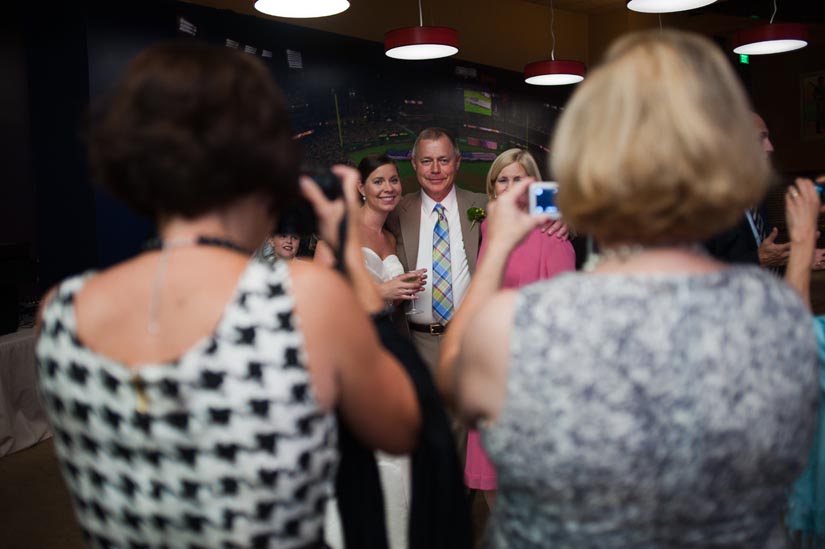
(413, 276)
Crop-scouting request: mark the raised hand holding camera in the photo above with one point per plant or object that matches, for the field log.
(338, 228)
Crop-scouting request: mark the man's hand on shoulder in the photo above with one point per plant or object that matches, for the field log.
(819, 260)
(557, 228)
(772, 254)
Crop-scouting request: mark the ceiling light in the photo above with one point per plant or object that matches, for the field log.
(666, 6)
(766, 39)
(554, 73)
(301, 9)
(413, 43)
(551, 72)
(771, 38)
(417, 43)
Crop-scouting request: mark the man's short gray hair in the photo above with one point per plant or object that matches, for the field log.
(432, 134)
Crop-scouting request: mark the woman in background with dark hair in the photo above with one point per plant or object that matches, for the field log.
(380, 190)
(190, 389)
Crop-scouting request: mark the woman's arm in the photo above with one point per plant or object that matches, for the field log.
(481, 363)
(507, 225)
(369, 386)
(802, 208)
(347, 363)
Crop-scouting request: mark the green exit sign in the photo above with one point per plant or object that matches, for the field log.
(744, 58)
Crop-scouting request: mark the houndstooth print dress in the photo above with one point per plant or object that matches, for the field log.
(652, 411)
(225, 447)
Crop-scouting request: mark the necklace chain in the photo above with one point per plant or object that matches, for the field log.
(626, 252)
(166, 246)
(220, 242)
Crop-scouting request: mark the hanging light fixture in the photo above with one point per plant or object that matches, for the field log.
(771, 38)
(416, 43)
(666, 6)
(552, 72)
(301, 9)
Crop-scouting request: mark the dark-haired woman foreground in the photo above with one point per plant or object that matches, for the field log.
(191, 389)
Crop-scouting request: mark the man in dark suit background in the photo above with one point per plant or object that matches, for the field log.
(749, 241)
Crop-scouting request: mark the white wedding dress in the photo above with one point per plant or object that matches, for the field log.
(394, 470)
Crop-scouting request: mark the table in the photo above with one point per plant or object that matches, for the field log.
(22, 419)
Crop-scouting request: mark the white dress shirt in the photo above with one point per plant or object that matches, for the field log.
(458, 256)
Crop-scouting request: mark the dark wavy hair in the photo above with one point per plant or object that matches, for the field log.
(190, 128)
(371, 163)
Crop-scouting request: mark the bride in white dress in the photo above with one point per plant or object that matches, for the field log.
(381, 189)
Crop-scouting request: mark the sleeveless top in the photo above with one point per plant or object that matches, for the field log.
(652, 411)
(382, 269)
(224, 447)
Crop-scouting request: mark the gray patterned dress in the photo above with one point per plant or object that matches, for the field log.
(652, 411)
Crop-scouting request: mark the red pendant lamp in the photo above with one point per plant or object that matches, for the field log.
(551, 72)
(771, 38)
(774, 38)
(417, 43)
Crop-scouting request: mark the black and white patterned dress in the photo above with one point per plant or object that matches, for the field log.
(652, 411)
(225, 447)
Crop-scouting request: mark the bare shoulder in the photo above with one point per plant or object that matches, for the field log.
(322, 295)
(316, 278)
(107, 293)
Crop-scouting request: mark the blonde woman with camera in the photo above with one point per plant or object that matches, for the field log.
(662, 399)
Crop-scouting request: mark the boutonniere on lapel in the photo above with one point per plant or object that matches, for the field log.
(476, 215)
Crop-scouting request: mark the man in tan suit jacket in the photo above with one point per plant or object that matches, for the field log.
(436, 160)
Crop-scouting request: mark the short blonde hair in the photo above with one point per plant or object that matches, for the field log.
(657, 145)
(511, 156)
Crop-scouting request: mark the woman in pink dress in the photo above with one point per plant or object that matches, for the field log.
(537, 258)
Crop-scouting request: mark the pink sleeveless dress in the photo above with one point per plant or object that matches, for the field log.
(539, 257)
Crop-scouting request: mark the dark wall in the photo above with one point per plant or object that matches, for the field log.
(115, 36)
(73, 55)
(777, 95)
(349, 98)
(17, 217)
(58, 94)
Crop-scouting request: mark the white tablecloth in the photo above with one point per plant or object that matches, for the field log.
(22, 419)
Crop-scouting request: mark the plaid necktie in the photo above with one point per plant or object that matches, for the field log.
(442, 272)
(759, 223)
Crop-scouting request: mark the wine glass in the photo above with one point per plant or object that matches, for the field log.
(413, 276)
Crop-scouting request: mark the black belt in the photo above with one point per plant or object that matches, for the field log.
(432, 329)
